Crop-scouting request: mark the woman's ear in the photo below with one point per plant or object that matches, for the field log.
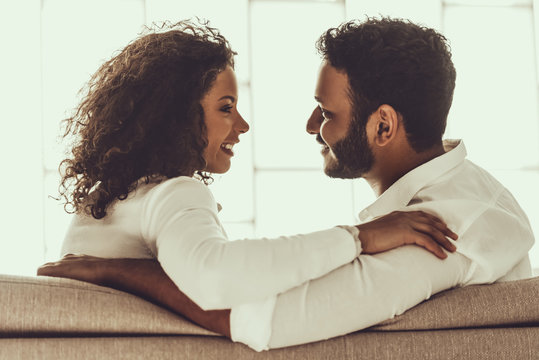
(386, 125)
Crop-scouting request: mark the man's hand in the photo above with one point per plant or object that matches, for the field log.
(79, 267)
(141, 277)
(406, 228)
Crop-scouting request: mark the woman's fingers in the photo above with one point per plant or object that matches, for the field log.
(436, 234)
(431, 233)
(442, 226)
(428, 223)
(426, 242)
(407, 227)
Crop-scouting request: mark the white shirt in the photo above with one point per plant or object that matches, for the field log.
(494, 239)
(176, 222)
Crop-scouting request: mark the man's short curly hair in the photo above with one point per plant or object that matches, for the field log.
(140, 116)
(395, 62)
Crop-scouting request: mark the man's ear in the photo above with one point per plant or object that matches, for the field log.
(386, 124)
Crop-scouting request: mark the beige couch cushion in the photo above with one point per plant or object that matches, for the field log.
(500, 304)
(41, 306)
(44, 306)
(460, 344)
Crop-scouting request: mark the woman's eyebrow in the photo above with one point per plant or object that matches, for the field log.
(231, 98)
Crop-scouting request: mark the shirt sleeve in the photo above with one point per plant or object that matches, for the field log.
(181, 215)
(495, 242)
(495, 235)
(361, 294)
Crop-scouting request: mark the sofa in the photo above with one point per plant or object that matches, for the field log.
(54, 318)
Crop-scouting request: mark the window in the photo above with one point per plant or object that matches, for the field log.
(276, 184)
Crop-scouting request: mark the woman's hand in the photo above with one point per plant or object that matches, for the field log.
(78, 267)
(406, 228)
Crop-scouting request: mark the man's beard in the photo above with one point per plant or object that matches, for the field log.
(353, 156)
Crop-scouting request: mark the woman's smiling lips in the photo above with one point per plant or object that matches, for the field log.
(227, 148)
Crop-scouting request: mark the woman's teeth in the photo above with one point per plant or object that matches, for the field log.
(227, 146)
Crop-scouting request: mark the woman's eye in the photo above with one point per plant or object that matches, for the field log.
(227, 108)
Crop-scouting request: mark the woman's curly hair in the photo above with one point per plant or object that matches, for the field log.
(140, 116)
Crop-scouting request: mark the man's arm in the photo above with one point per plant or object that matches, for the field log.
(355, 296)
(141, 277)
(361, 294)
(147, 279)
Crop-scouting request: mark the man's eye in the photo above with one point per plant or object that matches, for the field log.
(326, 114)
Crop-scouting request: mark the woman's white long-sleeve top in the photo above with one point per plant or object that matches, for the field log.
(176, 221)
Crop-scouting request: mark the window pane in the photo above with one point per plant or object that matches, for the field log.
(77, 37)
(234, 190)
(237, 231)
(21, 245)
(535, 8)
(55, 217)
(489, 2)
(285, 64)
(495, 104)
(290, 202)
(427, 12)
(363, 196)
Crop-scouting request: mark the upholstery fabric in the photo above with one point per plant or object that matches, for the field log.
(33, 306)
(51, 318)
(462, 344)
(499, 304)
(44, 305)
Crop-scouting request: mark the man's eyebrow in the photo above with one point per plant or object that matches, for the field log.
(231, 98)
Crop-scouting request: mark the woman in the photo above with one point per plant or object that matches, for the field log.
(157, 119)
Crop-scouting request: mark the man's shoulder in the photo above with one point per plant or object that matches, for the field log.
(467, 182)
(493, 230)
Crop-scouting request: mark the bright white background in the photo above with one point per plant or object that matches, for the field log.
(51, 47)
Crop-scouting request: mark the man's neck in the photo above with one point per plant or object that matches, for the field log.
(398, 164)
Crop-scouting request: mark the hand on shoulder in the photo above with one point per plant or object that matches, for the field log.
(406, 228)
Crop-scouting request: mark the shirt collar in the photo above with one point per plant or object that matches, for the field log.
(403, 190)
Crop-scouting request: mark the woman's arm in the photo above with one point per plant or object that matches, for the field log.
(216, 273)
(180, 219)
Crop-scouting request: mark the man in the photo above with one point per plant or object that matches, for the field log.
(384, 91)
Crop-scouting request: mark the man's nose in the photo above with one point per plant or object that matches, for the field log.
(314, 122)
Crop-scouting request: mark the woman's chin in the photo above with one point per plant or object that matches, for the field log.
(218, 169)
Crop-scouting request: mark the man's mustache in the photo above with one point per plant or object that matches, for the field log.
(320, 140)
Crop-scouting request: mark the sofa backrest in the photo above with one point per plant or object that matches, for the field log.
(45, 306)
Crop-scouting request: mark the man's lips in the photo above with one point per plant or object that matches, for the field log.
(320, 140)
(325, 147)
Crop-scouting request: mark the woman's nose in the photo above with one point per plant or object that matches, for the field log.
(314, 122)
(242, 125)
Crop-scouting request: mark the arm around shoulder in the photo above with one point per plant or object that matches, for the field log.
(216, 273)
